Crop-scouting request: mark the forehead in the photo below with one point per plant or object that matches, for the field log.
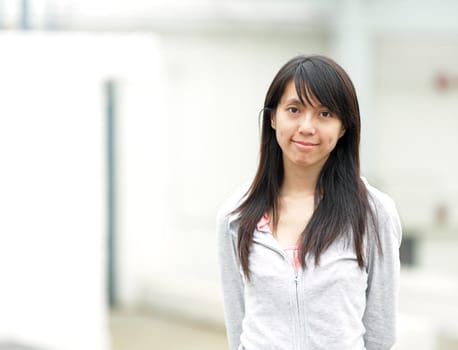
(290, 94)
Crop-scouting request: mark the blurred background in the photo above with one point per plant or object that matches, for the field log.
(125, 124)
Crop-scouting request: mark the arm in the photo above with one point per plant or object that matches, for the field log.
(383, 282)
(232, 282)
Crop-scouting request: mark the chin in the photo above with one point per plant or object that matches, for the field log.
(303, 163)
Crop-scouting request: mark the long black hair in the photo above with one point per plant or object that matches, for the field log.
(341, 199)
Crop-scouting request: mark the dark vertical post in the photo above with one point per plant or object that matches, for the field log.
(25, 15)
(110, 101)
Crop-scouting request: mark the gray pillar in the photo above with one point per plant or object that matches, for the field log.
(24, 20)
(111, 166)
(353, 50)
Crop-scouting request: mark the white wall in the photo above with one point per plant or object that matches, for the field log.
(53, 182)
(417, 126)
(143, 175)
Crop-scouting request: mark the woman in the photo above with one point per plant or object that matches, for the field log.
(309, 251)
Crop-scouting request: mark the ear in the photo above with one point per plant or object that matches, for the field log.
(273, 121)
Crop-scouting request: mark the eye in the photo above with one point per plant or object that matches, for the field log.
(293, 110)
(325, 114)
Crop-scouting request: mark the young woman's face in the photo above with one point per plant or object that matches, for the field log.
(306, 133)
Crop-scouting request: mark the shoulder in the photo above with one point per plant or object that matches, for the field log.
(384, 210)
(380, 202)
(225, 212)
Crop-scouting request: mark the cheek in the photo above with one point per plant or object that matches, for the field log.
(281, 134)
(279, 137)
(332, 139)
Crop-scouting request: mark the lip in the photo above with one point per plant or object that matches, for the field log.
(305, 145)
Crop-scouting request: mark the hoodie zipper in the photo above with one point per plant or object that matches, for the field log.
(300, 315)
(299, 328)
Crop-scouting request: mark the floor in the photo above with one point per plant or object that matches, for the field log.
(148, 331)
(141, 331)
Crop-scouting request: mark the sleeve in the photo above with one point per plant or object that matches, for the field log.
(232, 281)
(383, 282)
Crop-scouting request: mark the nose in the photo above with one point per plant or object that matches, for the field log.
(307, 125)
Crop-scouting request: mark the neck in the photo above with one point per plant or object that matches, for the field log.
(299, 180)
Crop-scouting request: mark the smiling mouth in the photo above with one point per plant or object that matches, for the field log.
(305, 144)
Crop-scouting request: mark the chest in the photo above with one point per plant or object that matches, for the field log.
(293, 217)
(337, 276)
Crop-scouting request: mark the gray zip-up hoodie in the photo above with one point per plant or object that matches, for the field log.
(333, 306)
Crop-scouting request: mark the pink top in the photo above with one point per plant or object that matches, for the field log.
(292, 251)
